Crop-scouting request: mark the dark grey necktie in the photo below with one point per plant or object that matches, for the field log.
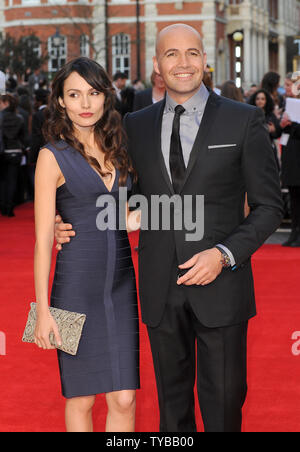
(177, 165)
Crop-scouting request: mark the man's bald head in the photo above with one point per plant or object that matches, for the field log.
(180, 60)
(175, 29)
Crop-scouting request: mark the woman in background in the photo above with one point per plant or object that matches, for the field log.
(271, 83)
(262, 99)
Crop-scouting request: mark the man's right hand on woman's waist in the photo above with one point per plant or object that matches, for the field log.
(63, 232)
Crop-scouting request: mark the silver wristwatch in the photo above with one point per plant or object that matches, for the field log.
(225, 259)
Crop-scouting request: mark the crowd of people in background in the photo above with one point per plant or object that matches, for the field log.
(21, 119)
(271, 98)
(24, 105)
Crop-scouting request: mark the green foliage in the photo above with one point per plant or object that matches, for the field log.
(21, 54)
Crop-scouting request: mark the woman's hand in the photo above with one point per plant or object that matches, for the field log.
(44, 326)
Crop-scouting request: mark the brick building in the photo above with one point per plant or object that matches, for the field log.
(243, 38)
(49, 19)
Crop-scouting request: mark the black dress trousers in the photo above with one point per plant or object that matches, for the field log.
(179, 344)
(295, 208)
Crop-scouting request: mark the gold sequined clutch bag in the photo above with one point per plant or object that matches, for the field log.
(70, 325)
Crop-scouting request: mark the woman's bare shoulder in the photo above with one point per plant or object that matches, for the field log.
(46, 154)
(46, 151)
(47, 160)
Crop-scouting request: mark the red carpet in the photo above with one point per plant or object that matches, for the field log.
(30, 399)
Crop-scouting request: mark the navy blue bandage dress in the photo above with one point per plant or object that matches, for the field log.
(94, 275)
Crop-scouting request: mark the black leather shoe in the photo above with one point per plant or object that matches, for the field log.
(296, 243)
(294, 236)
(10, 213)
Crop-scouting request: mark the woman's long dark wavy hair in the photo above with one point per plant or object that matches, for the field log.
(270, 104)
(109, 134)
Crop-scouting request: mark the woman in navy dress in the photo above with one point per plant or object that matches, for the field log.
(85, 160)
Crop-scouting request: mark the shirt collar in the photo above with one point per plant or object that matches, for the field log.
(197, 103)
(116, 88)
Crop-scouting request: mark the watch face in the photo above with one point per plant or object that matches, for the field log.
(225, 260)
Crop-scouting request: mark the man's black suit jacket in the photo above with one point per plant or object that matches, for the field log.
(37, 137)
(223, 175)
(143, 99)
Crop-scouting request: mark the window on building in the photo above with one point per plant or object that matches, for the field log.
(84, 46)
(273, 9)
(35, 44)
(57, 53)
(31, 2)
(121, 54)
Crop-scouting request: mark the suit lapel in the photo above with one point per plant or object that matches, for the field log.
(203, 133)
(157, 133)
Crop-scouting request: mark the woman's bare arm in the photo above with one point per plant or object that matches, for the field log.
(46, 179)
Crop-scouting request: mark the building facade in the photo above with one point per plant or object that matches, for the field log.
(64, 28)
(266, 27)
(243, 38)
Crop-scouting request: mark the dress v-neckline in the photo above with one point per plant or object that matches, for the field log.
(97, 174)
(101, 179)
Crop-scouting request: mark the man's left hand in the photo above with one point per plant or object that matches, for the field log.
(204, 267)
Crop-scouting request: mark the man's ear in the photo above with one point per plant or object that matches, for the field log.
(61, 102)
(155, 65)
(205, 60)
